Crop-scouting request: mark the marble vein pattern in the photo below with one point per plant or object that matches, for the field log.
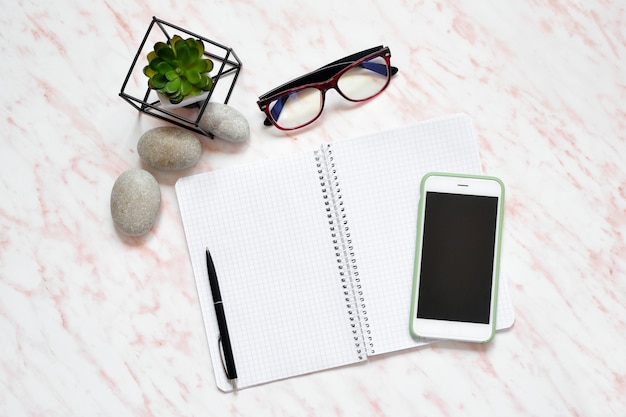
(95, 323)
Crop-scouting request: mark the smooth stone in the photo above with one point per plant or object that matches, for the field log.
(225, 122)
(135, 202)
(169, 148)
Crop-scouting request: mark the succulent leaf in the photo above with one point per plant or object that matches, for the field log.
(185, 87)
(163, 67)
(183, 54)
(195, 91)
(205, 82)
(194, 55)
(149, 72)
(154, 64)
(171, 75)
(209, 65)
(175, 40)
(166, 53)
(193, 77)
(172, 86)
(201, 65)
(158, 81)
(200, 47)
(196, 50)
(152, 55)
(160, 45)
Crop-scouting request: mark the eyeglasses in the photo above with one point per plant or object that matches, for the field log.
(358, 77)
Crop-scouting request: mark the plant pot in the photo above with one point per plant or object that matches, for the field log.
(187, 101)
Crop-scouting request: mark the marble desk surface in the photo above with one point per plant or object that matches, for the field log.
(93, 323)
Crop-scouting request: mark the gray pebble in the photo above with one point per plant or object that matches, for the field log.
(169, 148)
(135, 202)
(225, 122)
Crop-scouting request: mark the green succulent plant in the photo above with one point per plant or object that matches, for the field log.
(179, 69)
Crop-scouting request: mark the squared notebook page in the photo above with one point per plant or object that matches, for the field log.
(268, 235)
(380, 177)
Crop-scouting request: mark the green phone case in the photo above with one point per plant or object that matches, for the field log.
(418, 244)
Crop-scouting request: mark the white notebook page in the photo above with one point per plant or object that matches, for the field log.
(269, 239)
(380, 177)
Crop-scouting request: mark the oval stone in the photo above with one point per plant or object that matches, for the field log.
(225, 122)
(135, 202)
(169, 148)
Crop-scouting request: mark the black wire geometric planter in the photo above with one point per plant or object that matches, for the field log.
(136, 92)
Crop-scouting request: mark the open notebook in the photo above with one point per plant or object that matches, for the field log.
(314, 251)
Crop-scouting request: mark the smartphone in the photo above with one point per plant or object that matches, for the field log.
(457, 257)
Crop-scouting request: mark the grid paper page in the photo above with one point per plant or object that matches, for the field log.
(268, 235)
(380, 176)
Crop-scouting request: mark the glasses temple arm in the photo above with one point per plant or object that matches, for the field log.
(378, 68)
(354, 57)
(276, 110)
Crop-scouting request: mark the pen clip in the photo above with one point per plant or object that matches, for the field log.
(221, 349)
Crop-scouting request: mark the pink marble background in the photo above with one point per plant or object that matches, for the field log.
(93, 323)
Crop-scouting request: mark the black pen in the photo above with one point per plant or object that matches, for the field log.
(229, 360)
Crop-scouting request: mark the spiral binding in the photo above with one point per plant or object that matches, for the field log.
(344, 250)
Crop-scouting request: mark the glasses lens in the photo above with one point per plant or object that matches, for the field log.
(365, 80)
(297, 108)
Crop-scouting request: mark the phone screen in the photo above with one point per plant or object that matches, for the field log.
(457, 257)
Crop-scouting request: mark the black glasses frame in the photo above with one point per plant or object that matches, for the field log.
(324, 79)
